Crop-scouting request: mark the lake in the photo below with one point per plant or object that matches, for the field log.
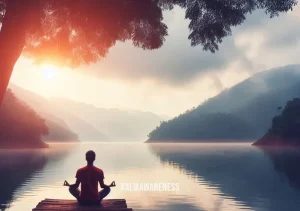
(211, 177)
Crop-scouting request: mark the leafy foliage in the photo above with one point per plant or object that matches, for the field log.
(287, 124)
(19, 124)
(75, 32)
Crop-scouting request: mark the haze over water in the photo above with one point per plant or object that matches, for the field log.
(213, 177)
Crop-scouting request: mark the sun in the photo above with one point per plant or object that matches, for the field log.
(49, 72)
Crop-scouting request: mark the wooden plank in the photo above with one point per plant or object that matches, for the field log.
(77, 206)
(81, 209)
(121, 204)
(72, 205)
(75, 202)
(47, 199)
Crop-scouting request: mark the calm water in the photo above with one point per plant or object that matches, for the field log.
(213, 177)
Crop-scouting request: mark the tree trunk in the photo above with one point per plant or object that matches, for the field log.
(12, 40)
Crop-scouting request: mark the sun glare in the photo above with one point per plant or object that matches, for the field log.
(49, 72)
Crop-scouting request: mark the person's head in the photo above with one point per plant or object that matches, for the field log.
(90, 156)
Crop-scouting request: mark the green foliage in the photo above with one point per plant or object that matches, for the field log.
(19, 124)
(287, 124)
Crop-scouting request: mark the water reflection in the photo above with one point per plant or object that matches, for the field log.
(239, 171)
(286, 162)
(19, 167)
(212, 177)
(15, 171)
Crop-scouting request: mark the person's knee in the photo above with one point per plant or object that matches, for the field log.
(107, 189)
(73, 190)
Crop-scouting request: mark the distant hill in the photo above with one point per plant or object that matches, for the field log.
(58, 133)
(284, 130)
(207, 127)
(20, 125)
(119, 125)
(92, 123)
(243, 93)
(60, 122)
(263, 108)
(253, 101)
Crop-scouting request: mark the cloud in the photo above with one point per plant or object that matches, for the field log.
(217, 83)
(253, 45)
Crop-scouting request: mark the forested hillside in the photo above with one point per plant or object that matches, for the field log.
(284, 130)
(20, 126)
(254, 102)
(207, 127)
(62, 124)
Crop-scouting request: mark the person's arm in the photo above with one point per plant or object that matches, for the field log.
(76, 185)
(102, 185)
(101, 181)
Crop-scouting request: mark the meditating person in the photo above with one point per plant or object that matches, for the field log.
(88, 177)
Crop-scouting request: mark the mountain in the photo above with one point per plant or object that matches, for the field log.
(262, 109)
(59, 121)
(59, 133)
(254, 101)
(119, 125)
(245, 92)
(20, 125)
(217, 126)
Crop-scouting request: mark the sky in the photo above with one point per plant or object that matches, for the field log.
(176, 77)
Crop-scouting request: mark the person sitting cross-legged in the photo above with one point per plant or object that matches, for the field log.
(88, 177)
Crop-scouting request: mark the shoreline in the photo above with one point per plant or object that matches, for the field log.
(271, 140)
(41, 145)
(191, 141)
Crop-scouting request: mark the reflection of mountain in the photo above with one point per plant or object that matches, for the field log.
(119, 125)
(286, 162)
(15, 169)
(243, 173)
(253, 101)
(59, 120)
(19, 167)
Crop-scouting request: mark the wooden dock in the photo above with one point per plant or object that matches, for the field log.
(72, 205)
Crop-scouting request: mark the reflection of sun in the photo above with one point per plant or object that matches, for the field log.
(49, 72)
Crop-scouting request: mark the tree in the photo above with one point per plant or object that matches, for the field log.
(74, 32)
(287, 124)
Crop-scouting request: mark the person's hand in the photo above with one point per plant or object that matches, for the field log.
(66, 183)
(113, 184)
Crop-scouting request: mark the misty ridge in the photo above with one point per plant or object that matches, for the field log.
(87, 121)
(243, 112)
(20, 125)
